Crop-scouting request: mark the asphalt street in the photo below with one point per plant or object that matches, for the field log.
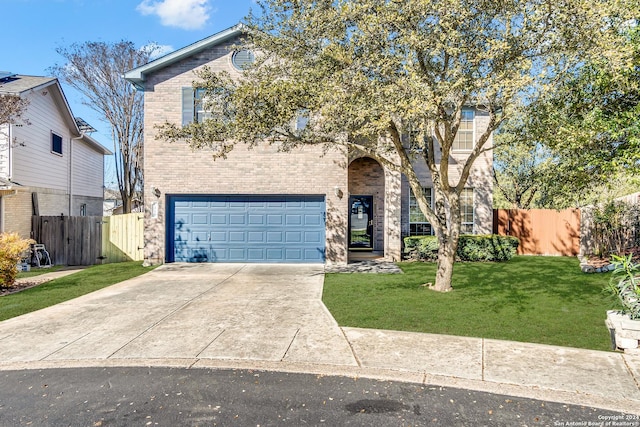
(202, 397)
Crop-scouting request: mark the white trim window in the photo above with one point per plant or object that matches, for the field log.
(418, 224)
(193, 103)
(467, 212)
(199, 113)
(465, 137)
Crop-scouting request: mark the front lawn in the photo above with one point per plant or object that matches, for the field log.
(544, 300)
(68, 287)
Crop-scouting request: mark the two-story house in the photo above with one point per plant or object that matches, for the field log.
(262, 205)
(48, 164)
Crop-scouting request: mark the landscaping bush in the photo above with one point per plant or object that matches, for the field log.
(625, 283)
(470, 248)
(11, 248)
(616, 227)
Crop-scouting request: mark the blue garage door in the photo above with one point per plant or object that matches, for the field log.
(246, 228)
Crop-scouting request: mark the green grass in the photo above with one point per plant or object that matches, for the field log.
(68, 287)
(544, 300)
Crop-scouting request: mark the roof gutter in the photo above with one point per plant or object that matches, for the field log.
(137, 76)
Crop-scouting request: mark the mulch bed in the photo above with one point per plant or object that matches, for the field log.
(21, 285)
(598, 262)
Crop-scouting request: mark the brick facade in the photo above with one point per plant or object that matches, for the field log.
(174, 168)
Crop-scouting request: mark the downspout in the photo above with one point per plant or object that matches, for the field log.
(71, 171)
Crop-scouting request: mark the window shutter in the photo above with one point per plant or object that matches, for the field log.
(187, 105)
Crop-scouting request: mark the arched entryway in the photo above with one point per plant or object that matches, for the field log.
(366, 206)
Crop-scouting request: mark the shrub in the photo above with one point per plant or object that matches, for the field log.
(11, 248)
(625, 283)
(470, 248)
(616, 227)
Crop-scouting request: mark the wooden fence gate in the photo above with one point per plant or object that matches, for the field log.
(541, 231)
(89, 240)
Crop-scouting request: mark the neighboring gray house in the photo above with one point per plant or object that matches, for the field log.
(113, 203)
(48, 165)
(262, 205)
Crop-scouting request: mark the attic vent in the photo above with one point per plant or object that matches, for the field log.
(241, 59)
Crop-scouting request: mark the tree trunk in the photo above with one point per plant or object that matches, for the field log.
(126, 205)
(448, 238)
(446, 259)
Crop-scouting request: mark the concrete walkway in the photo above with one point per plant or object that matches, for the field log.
(271, 317)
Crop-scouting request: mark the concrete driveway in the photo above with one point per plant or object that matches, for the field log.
(271, 317)
(188, 311)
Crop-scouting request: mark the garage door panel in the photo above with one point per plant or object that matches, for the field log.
(274, 237)
(235, 254)
(218, 236)
(274, 219)
(255, 254)
(313, 220)
(255, 237)
(197, 219)
(246, 228)
(293, 237)
(199, 236)
(219, 219)
(256, 219)
(312, 254)
(237, 219)
(237, 237)
(295, 219)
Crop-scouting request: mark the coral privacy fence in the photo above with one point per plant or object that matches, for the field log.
(89, 240)
(594, 230)
(541, 231)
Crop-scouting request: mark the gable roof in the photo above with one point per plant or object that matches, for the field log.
(19, 85)
(137, 76)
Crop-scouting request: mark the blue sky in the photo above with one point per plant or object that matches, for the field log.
(31, 31)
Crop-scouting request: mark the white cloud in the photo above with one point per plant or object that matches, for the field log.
(186, 14)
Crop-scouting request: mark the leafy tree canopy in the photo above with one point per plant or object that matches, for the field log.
(573, 142)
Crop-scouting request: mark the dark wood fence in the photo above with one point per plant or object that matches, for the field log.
(541, 231)
(89, 240)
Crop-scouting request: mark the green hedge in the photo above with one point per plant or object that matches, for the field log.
(470, 248)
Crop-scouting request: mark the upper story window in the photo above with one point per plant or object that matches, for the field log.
(198, 106)
(464, 138)
(56, 144)
(241, 59)
(418, 224)
(193, 110)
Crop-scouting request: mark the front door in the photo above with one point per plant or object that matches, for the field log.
(361, 222)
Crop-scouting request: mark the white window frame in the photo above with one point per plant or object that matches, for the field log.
(199, 113)
(412, 205)
(465, 225)
(456, 141)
